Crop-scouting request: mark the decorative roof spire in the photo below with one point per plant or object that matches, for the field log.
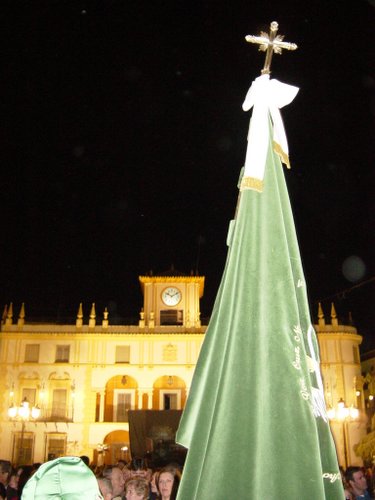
(334, 319)
(21, 317)
(351, 322)
(9, 320)
(105, 318)
(141, 322)
(79, 320)
(5, 313)
(321, 319)
(92, 320)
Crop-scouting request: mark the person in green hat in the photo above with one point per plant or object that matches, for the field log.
(65, 478)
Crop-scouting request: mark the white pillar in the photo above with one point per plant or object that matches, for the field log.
(149, 402)
(140, 400)
(101, 406)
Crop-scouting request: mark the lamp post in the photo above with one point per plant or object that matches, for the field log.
(343, 414)
(25, 414)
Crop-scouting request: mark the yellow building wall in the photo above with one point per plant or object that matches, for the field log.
(159, 361)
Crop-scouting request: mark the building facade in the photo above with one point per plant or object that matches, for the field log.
(343, 384)
(79, 381)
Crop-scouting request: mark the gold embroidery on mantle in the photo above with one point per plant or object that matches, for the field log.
(252, 183)
(283, 156)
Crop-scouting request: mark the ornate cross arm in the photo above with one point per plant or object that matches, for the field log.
(270, 43)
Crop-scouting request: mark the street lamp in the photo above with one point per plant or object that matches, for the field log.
(101, 449)
(125, 451)
(25, 414)
(344, 414)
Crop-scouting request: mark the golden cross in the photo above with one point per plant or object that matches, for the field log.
(270, 43)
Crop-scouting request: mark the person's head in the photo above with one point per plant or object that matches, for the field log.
(62, 478)
(5, 470)
(138, 468)
(85, 459)
(356, 479)
(13, 480)
(137, 464)
(117, 479)
(137, 488)
(167, 482)
(153, 486)
(105, 487)
(24, 474)
(121, 464)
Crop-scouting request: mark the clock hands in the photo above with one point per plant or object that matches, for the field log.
(171, 296)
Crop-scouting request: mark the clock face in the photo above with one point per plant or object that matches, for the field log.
(171, 296)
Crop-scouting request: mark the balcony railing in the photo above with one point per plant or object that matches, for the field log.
(56, 414)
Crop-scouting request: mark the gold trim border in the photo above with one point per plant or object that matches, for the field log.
(283, 156)
(252, 183)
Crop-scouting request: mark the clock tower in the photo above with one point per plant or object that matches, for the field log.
(171, 299)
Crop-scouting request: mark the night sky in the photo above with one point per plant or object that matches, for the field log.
(123, 135)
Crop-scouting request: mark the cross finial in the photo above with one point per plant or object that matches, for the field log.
(270, 43)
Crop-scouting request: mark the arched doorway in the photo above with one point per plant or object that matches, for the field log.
(115, 446)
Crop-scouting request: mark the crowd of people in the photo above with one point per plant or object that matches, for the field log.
(77, 479)
(138, 481)
(74, 478)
